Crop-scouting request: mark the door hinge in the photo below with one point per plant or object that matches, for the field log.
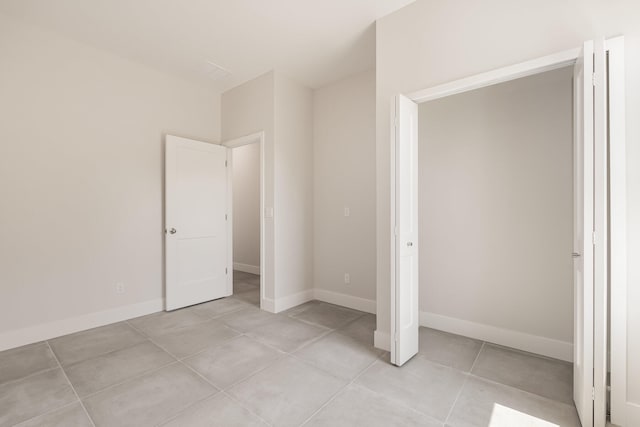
(593, 79)
(226, 271)
(225, 163)
(593, 393)
(593, 238)
(225, 217)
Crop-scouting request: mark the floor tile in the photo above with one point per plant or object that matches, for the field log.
(420, 384)
(22, 361)
(546, 377)
(339, 355)
(233, 361)
(250, 297)
(164, 322)
(286, 334)
(216, 411)
(70, 416)
(324, 314)
(358, 406)
(189, 340)
(483, 403)
(448, 349)
(34, 395)
(239, 287)
(288, 392)
(218, 307)
(248, 319)
(148, 400)
(95, 374)
(361, 329)
(94, 342)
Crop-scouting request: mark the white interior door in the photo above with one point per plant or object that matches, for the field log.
(583, 236)
(196, 234)
(404, 299)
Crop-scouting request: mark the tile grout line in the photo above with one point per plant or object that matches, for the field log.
(218, 390)
(340, 390)
(45, 414)
(133, 377)
(464, 383)
(42, 371)
(71, 385)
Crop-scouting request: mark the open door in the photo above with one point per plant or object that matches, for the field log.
(590, 234)
(582, 236)
(196, 234)
(404, 292)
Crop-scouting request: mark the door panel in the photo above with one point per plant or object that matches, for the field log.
(196, 235)
(583, 228)
(405, 312)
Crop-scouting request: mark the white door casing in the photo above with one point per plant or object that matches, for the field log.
(404, 298)
(601, 231)
(196, 227)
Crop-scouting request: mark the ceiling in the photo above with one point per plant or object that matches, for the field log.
(313, 41)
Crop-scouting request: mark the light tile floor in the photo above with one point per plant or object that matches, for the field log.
(226, 363)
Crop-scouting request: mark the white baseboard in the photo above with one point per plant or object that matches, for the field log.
(268, 304)
(632, 415)
(532, 343)
(246, 268)
(289, 301)
(344, 300)
(48, 330)
(382, 340)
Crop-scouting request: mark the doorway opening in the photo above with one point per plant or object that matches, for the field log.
(245, 178)
(247, 228)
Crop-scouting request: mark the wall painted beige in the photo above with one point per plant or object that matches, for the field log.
(246, 206)
(344, 176)
(429, 43)
(282, 109)
(496, 205)
(293, 210)
(81, 174)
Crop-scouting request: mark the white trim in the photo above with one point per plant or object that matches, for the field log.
(632, 415)
(501, 75)
(293, 300)
(267, 304)
(618, 243)
(246, 268)
(392, 231)
(53, 329)
(506, 337)
(344, 300)
(382, 340)
(229, 219)
(244, 140)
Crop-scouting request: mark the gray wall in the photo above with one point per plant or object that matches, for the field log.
(81, 176)
(344, 176)
(496, 205)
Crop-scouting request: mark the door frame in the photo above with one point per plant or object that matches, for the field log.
(620, 409)
(254, 138)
